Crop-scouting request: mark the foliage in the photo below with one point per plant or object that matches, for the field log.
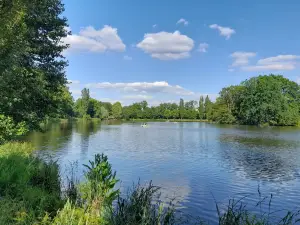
(32, 65)
(72, 214)
(16, 148)
(100, 182)
(10, 130)
(117, 110)
(142, 206)
(208, 108)
(201, 108)
(28, 186)
(272, 100)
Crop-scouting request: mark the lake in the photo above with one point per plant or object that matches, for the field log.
(198, 163)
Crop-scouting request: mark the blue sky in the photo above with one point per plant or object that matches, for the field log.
(158, 50)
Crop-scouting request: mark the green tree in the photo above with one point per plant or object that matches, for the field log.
(85, 102)
(32, 67)
(208, 108)
(117, 110)
(270, 99)
(201, 108)
(104, 113)
(181, 108)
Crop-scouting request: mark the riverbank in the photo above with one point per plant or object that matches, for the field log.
(32, 192)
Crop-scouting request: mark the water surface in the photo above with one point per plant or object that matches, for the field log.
(199, 163)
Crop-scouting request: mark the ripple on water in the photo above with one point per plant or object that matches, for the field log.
(201, 164)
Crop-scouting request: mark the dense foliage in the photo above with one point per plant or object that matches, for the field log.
(272, 100)
(32, 75)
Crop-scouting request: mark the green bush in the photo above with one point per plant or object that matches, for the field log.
(10, 130)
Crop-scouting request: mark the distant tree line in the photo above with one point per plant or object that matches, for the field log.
(269, 99)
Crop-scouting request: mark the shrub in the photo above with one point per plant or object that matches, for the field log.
(9, 130)
(142, 206)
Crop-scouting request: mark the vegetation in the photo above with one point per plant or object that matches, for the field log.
(263, 100)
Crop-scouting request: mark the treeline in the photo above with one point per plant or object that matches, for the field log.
(87, 107)
(263, 100)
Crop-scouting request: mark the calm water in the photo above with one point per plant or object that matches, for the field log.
(199, 163)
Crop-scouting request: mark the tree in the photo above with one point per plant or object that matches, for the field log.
(270, 99)
(65, 104)
(117, 110)
(104, 113)
(85, 101)
(181, 108)
(201, 108)
(208, 108)
(32, 67)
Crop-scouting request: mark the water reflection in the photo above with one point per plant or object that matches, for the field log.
(54, 138)
(261, 158)
(189, 160)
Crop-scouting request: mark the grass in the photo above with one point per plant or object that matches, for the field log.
(29, 187)
(31, 193)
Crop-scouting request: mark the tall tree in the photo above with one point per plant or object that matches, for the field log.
(208, 108)
(201, 108)
(117, 110)
(32, 67)
(85, 101)
(181, 108)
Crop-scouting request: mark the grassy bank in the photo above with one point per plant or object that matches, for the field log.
(31, 193)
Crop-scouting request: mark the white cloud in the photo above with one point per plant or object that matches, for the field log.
(91, 40)
(224, 31)
(126, 57)
(137, 97)
(276, 63)
(144, 87)
(167, 46)
(298, 80)
(183, 21)
(241, 58)
(278, 59)
(231, 70)
(203, 47)
(272, 67)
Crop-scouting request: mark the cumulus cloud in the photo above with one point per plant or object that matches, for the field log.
(167, 46)
(183, 21)
(91, 40)
(203, 47)
(143, 87)
(241, 58)
(276, 63)
(126, 57)
(224, 31)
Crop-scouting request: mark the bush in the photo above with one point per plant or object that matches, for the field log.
(9, 130)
